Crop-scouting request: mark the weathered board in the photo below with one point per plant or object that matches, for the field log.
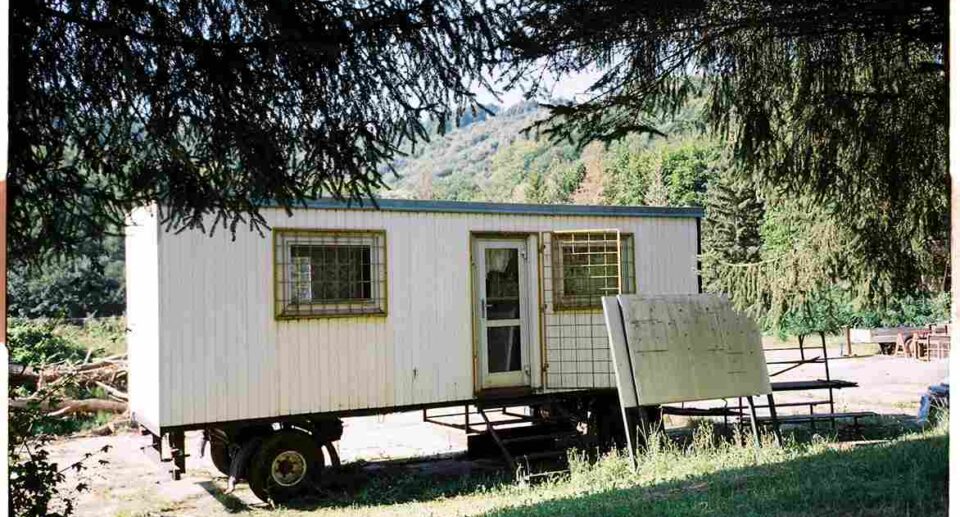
(677, 348)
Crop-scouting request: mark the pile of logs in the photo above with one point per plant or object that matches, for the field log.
(109, 374)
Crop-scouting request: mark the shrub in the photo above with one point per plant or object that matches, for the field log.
(913, 311)
(37, 343)
(38, 485)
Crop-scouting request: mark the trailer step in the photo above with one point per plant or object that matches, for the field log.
(555, 434)
(538, 437)
(544, 455)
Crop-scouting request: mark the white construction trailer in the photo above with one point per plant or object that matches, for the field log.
(264, 340)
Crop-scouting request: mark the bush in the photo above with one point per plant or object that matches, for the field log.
(37, 343)
(912, 311)
(830, 310)
(38, 486)
(89, 283)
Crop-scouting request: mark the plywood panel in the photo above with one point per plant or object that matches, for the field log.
(684, 348)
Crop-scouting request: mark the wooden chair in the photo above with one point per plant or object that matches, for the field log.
(938, 343)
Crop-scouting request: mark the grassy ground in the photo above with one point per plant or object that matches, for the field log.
(905, 476)
(106, 336)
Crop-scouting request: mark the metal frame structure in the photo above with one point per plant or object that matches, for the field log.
(827, 384)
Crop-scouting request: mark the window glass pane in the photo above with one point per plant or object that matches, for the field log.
(335, 272)
(503, 283)
(330, 272)
(503, 349)
(300, 280)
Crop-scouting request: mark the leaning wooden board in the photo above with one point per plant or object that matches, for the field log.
(678, 348)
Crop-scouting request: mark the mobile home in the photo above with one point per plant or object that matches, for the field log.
(337, 310)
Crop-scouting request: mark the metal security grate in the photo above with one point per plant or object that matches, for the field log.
(321, 273)
(582, 267)
(590, 265)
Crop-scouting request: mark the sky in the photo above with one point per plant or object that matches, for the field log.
(571, 86)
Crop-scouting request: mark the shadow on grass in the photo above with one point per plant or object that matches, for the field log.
(401, 481)
(388, 482)
(902, 478)
(231, 503)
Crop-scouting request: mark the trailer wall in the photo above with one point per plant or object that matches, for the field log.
(143, 315)
(224, 356)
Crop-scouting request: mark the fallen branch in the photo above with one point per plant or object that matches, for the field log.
(114, 392)
(90, 406)
(69, 406)
(103, 369)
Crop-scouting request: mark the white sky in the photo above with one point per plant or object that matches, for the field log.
(572, 86)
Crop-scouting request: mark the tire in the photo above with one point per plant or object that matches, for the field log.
(220, 455)
(287, 464)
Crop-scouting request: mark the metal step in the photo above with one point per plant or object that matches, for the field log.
(536, 437)
(544, 455)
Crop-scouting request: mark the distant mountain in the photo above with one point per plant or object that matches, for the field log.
(493, 158)
(453, 166)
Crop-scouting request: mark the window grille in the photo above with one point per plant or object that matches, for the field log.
(589, 265)
(330, 273)
(582, 267)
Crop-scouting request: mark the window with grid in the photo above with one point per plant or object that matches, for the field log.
(589, 265)
(330, 273)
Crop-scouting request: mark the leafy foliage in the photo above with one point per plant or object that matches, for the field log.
(915, 310)
(36, 483)
(840, 105)
(37, 343)
(88, 284)
(820, 313)
(214, 107)
(38, 486)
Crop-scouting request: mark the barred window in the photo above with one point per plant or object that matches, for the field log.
(330, 273)
(585, 268)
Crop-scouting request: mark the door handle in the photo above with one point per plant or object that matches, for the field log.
(483, 309)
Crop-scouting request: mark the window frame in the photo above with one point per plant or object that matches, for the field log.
(285, 239)
(562, 302)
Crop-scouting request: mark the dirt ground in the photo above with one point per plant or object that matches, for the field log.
(131, 484)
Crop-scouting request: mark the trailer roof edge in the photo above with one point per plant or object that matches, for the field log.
(408, 205)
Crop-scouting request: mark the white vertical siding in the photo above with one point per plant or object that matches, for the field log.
(143, 316)
(225, 356)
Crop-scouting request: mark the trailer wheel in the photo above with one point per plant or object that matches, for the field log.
(287, 464)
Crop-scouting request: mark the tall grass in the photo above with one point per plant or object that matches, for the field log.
(705, 475)
(905, 476)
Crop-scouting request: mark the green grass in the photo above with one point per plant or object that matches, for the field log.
(106, 336)
(905, 476)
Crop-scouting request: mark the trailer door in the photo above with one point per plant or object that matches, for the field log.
(502, 312)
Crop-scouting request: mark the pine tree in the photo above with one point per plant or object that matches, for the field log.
(734, 213)
(657, 192)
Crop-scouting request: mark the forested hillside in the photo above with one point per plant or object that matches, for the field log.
(503, 158)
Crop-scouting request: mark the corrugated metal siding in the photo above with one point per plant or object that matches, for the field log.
(225, 357)
(143, 315)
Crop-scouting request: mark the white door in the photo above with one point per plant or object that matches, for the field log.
(501, 280)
